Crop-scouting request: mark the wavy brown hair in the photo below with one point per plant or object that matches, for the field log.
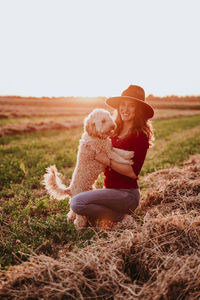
(140, 124)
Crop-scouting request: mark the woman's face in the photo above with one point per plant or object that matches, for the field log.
(127, 110)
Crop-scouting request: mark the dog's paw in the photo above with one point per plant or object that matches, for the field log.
(130, 154)
(130, 162)
(71, 217)
(80, 222)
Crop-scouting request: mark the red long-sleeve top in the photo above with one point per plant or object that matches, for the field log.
(137, 143)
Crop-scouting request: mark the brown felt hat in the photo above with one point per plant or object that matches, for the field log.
(134, 93)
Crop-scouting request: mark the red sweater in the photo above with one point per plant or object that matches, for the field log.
(137, 143)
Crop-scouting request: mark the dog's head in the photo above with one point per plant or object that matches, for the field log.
(99, 123)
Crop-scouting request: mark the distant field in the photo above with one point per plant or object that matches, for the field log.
(20, 120)
(39, 107)
(159, 114)
(12, 107)
(20, 115)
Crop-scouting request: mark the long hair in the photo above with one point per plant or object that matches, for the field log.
(140, 124)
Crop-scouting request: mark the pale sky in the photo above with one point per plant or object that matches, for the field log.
(99, 47)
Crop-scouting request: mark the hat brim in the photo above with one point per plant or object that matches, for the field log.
(115, 101)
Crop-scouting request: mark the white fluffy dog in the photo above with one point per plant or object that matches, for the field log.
(95, 139)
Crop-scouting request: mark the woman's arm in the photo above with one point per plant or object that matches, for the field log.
(123, 169)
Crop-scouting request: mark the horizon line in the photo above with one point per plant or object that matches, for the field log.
(50, 97)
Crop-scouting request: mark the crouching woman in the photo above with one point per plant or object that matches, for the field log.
(120, 195)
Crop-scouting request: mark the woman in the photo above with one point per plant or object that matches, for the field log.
(121, 194)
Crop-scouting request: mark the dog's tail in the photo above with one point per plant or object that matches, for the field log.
(54, 185)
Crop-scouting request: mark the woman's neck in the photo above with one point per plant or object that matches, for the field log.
(126, 129)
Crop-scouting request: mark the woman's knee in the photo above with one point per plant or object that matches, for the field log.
(134, 204)
(75, 204)
(79, 203)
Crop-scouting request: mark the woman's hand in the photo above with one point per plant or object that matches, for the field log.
(103, 159)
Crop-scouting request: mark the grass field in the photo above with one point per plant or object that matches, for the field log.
(29, 220)
(155, 259)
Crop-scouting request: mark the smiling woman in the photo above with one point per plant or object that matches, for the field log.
(132, 113)
(121, 194)
(127, 110)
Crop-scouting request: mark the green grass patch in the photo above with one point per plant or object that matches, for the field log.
(29, 220)
(164, 128)
(175, 140)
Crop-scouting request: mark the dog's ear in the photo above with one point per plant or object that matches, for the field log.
(98, 125)
(90, 129)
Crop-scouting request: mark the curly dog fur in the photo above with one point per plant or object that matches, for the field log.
(95, 139)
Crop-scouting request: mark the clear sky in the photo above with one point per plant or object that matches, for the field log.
(99, 47)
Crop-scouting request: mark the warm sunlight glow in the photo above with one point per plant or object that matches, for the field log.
(97, 48)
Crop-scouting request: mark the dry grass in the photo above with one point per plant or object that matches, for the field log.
(157, 258)
(12, 129)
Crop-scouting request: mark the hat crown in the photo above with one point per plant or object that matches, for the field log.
(134, 91)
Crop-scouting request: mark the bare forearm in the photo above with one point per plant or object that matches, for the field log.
(123, 169)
